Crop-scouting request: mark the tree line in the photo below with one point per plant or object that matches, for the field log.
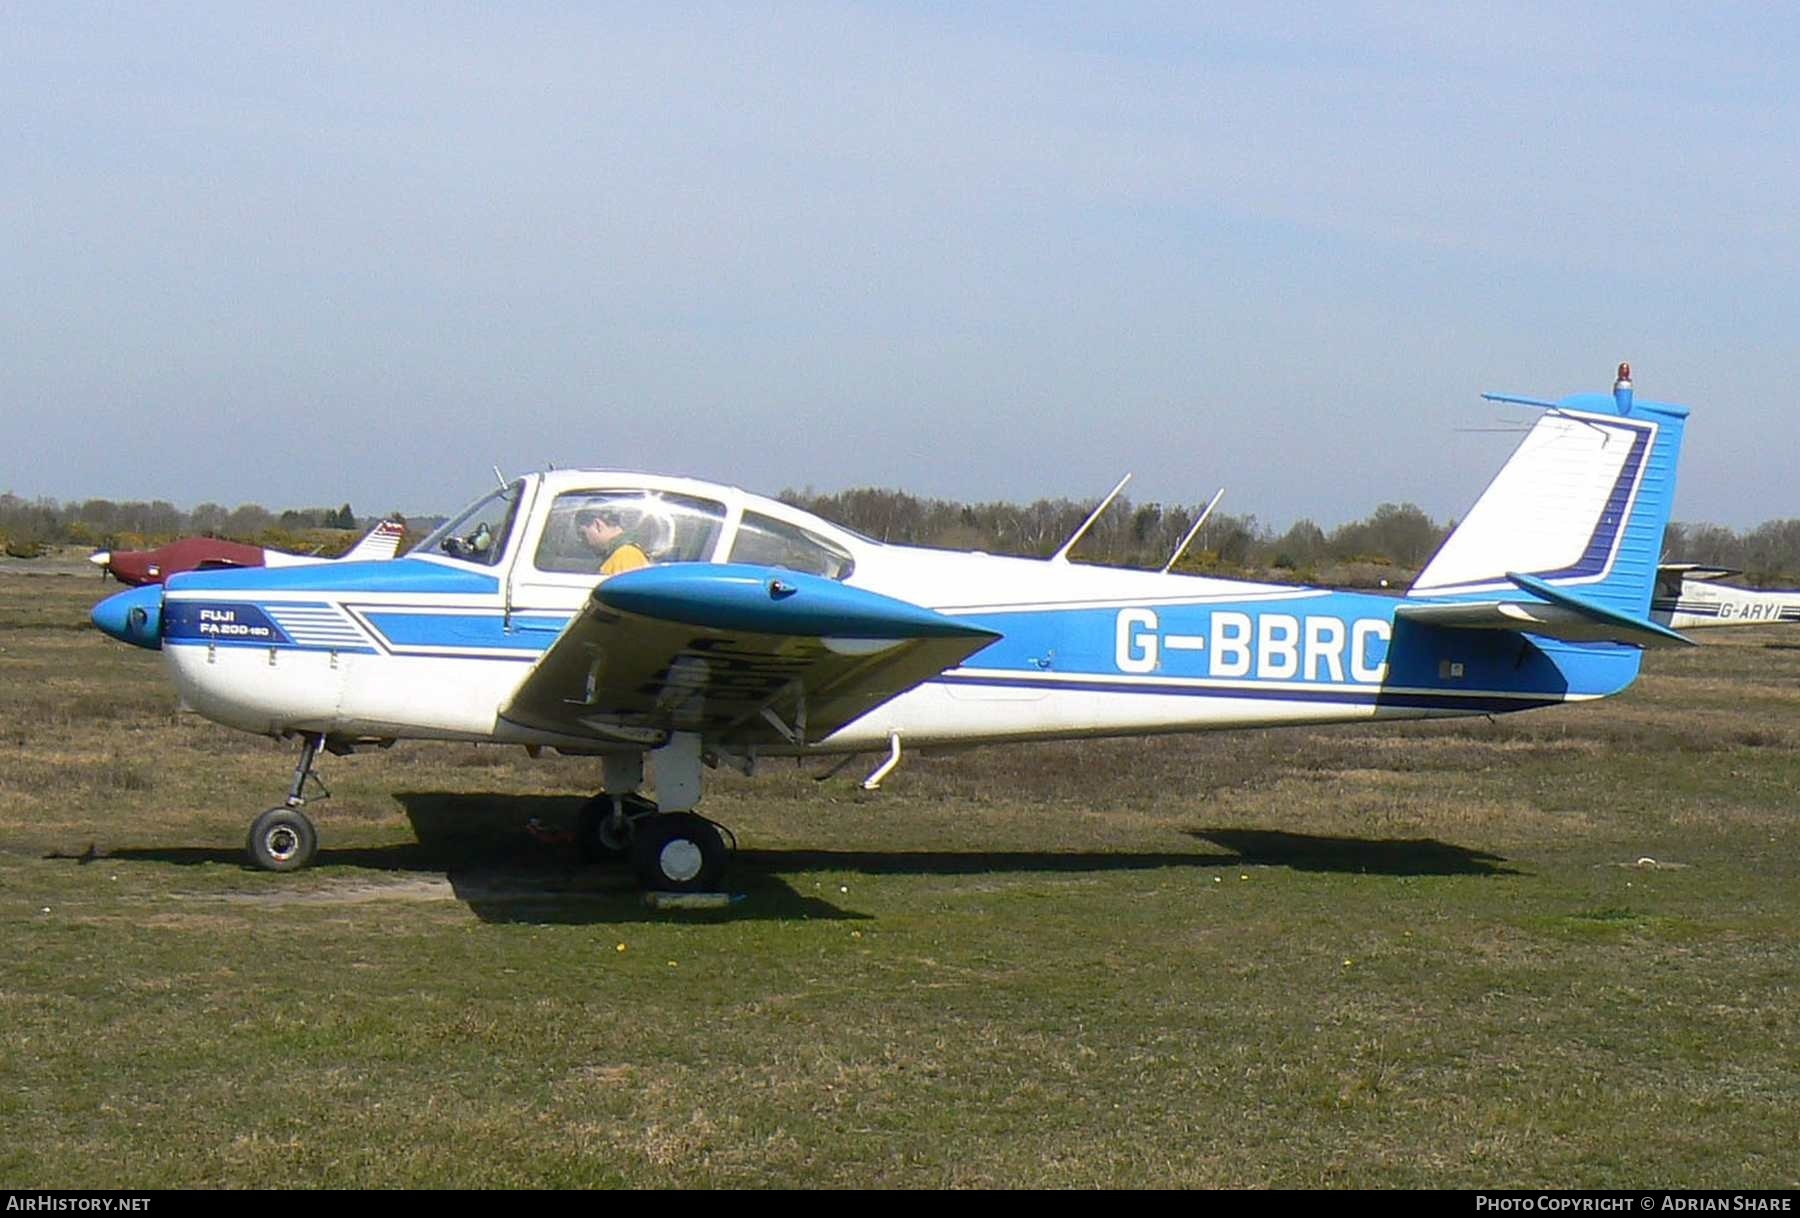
(1129, 534)
(27, 526)
(1391, 543)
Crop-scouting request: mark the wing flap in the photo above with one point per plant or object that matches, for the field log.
(743, 655)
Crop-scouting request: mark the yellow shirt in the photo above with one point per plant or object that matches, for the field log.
(626, 558)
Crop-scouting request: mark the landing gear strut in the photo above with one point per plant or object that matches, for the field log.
(283, 838)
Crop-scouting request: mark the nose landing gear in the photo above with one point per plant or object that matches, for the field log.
(283, 838)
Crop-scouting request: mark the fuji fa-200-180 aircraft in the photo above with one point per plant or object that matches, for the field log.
(728, 627)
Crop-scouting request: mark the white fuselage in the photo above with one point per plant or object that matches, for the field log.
(433, 646)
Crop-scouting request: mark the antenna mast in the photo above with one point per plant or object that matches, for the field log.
(1062, 555)
(1180, 549)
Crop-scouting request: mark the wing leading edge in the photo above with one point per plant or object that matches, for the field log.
(743, 655)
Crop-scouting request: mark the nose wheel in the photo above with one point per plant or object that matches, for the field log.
(283, 838)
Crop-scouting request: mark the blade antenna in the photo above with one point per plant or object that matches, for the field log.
(500, 477)
(1182, 548)
(1062, 555)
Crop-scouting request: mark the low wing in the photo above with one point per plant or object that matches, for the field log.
(1559, 614)
(741, 654)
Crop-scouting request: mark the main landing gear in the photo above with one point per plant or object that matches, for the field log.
(283, 838)
(669, 851)
(670, 847)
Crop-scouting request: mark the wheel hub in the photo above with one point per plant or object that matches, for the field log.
(283, 843)
(681, 860)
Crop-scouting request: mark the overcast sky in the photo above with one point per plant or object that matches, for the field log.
(307, 254)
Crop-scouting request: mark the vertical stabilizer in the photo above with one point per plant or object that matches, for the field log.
(378, 543)
(1581, 504)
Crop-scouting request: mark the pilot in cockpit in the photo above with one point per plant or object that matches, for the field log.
(610, 532)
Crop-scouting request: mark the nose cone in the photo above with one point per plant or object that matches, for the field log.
(133, 617)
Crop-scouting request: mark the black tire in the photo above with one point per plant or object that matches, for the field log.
(282, 839)
(679, 852)
(598, 838)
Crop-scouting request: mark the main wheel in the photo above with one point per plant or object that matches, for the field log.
(599, 836)
(679, 852)
(282, 839)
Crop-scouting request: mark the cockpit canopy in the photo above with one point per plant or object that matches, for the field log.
(776, 543)
(668, 525)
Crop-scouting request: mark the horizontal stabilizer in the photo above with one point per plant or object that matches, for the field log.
(1559, 615)
(1696, 571)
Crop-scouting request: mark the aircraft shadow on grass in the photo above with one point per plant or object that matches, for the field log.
(1352, 855)
(482, 844)
(453, 828)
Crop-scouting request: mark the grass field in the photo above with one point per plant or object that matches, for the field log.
(1560, 949)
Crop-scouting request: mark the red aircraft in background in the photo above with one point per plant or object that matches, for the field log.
(208, 553)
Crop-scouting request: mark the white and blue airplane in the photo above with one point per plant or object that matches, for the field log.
(752, 629)
(1689, 597)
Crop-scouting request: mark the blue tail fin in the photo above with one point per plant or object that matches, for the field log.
(1581, 505)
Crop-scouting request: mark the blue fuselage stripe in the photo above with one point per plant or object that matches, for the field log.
(1370, 696)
